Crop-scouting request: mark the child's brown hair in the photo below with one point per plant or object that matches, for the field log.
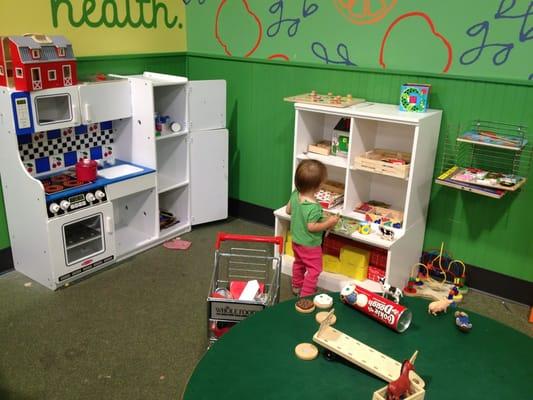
(309, 175)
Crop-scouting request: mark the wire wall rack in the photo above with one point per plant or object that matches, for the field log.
(486, 157)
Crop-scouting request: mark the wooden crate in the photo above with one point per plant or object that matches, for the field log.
(417, 393)
(323, 147)
(386, 162)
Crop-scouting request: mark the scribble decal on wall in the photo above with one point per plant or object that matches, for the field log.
(293, 24)
(219, 19)
(431, 25)
(321, 52)
(507, 10)
(151, 14)
(364, 12)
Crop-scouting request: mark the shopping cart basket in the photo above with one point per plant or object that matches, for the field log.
(232, 271)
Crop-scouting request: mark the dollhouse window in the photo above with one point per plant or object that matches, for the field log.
(61, 51)
(66, 72)
(19, 73)
(36, 74)
(52, 76)
(35, 53)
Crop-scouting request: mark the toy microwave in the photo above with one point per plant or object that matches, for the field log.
(45, 110)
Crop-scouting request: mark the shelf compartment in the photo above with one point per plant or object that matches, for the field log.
(171, 101)
(332, 161)
(177, 203)
(165, 184)
(172, 163)
(173, 135)
(384, 162)
(135, 220)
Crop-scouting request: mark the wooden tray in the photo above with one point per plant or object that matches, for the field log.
(329, 99)
(385, 162)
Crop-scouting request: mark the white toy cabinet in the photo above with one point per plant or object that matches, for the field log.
(148, 170)
(373, 126)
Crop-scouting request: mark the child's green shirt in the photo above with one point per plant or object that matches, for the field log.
(303, 213)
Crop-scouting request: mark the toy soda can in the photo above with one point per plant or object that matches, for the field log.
(393, 315)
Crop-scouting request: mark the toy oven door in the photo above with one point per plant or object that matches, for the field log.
(82, 242)
(55, 108)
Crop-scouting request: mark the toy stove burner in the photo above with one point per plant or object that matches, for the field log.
(58, 183)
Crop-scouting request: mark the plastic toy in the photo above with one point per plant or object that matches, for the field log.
(391, 291)
(439, 306)
(305, 306)
(463, 321)
(306, 351)
(323, 301)
(399, 388)
(414, 97)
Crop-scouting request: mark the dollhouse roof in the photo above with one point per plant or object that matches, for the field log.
(48, 50)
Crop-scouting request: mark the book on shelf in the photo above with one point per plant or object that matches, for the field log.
(489, 138)
(446, 179)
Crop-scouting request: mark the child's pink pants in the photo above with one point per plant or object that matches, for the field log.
(306, 268)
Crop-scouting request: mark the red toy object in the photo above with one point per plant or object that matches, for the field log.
(35, 61)
(86, 170)
(236, 288)
(400, 387)
(389, 313)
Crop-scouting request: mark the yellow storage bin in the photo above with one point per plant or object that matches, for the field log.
(288, 245)
(354, 262)
(331, 264)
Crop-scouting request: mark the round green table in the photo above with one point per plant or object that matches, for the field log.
(256, 359)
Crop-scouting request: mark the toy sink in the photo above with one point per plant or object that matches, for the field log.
(118, 171)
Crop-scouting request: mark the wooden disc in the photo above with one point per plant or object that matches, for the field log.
(320, 316)
(305, 306)
(306, 351)
(323, 301)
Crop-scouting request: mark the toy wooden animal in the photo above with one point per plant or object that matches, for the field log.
(399, 388)
(391, 291)
(439, 306)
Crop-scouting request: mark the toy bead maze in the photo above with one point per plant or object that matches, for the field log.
(325, 99)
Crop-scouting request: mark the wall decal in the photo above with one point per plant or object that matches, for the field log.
(276, 56)
(364, 12)
(114, 13)
(445, 41)
(321, 52)
(277, 8)
(507, 10)
(252, 15)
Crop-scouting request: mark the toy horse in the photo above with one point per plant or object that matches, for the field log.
(400, 387)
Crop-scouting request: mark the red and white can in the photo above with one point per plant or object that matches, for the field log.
(393, 315)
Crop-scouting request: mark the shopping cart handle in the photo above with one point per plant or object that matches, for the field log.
(222, 236)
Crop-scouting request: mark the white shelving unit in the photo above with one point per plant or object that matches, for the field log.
(373, 126)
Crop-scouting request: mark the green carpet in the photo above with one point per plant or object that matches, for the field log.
(132, 331)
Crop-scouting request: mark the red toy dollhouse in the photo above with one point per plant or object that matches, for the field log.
(35, 62)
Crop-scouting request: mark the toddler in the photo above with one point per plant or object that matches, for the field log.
(307, 225)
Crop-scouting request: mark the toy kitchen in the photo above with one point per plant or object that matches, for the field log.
(89, 169)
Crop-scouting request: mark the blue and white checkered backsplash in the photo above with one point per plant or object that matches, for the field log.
(56, 150)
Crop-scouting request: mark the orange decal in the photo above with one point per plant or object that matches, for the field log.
(282, 56)
(255, 17)
(364, 12)
(433, 30)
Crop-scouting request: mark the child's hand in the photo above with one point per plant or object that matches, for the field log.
(332, 220)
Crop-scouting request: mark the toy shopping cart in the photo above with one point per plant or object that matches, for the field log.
(245, 280)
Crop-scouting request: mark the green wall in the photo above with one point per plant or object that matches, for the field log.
(478, 38)
(481, 231)
(88, 67)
